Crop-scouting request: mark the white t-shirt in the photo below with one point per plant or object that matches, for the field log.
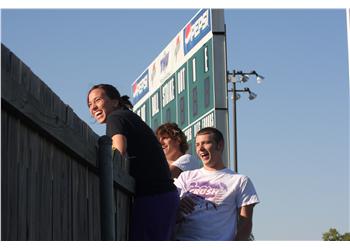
(186, 162)
(218, 195)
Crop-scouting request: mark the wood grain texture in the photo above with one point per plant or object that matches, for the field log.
(49, 174)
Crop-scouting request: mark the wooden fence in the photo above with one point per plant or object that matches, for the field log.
(50, 175)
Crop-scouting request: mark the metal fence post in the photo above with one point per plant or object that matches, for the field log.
(106, 188)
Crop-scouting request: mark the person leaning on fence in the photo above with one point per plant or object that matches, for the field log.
(212, 197)
(156, 197)
(174, 144)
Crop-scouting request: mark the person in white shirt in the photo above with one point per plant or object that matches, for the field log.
(215, 202)
(175, 146)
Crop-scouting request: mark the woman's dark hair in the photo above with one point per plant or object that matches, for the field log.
(175, 133)
(113, 94)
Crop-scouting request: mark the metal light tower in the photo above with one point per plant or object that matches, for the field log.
(242, 77)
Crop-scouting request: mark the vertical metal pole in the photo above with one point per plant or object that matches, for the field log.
(106, 188)
(234, 120)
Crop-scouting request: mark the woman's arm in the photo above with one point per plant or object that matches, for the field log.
(119, 142)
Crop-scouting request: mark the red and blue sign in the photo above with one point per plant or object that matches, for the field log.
(140, 87)
(196, 29)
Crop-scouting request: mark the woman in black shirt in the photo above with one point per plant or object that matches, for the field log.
(156, 198)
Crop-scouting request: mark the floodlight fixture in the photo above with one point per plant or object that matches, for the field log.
(237, 96)
(252, 95)
(259, 79)
(244, 78)
(230, 77)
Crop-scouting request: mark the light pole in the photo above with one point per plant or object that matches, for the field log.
(242, 77)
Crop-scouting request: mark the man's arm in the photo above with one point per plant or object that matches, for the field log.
(245, 222)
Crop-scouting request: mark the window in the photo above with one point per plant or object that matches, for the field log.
(194, 101)
(155, 104)
(206, 92)
(182, 110)
(168, 115)
(181, 81)
(206, 59)
(194, 75)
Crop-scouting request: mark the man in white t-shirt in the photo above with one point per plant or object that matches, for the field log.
(216, 203)
(175, 146)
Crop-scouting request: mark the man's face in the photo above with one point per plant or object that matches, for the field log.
(170, 146)
(208, 150)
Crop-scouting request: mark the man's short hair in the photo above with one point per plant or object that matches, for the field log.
(175, 133)
(218, 137)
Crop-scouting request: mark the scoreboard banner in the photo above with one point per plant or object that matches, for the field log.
(186, 83)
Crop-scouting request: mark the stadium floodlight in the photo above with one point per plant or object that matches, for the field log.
(234, 77)
(237, 96)
(245, 78)
(259, 79)
(252, 96)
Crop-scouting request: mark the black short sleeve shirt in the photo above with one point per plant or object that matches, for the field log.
(148, 164)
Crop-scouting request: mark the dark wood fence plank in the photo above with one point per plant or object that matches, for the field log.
(94, 207)
(14, 67)
(33, 184)
(5, 220)
(25, 76)
(123, 210)
(22, 165)
(57, 204)
(124, 188)
(80, 215)
(45, 179)
(61, 197)
(12, 190)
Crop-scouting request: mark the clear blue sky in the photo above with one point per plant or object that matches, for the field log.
(293, 139)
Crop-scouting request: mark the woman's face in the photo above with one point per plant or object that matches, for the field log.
(100, 105)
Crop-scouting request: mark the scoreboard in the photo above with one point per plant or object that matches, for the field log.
(186, 83)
